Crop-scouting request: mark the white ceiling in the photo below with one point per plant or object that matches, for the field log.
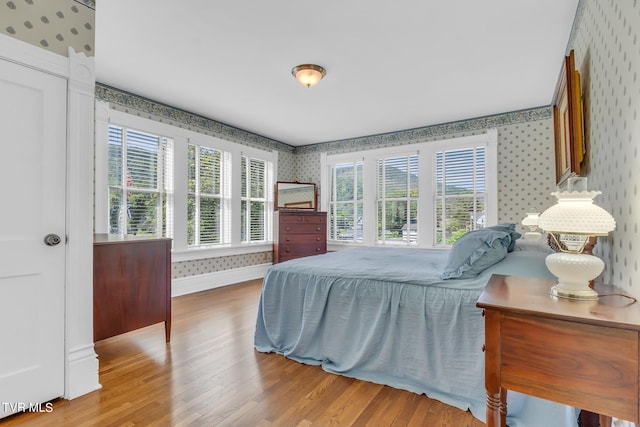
(391, 65)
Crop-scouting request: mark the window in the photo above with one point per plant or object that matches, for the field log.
(140, 184)
(345, 206)
(204, 199)
(212, 197)
(398, 199)
(460, 197)
(254, 200)
(428, 196)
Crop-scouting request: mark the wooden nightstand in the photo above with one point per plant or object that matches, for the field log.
(579, 353)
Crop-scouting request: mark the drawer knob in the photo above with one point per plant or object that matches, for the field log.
(317, 228)
(317, 239)
(483, 313)
(287, 250)
(288, 228)
(484, 347)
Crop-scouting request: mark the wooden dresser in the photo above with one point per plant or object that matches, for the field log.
(298, 233)
(131, 284)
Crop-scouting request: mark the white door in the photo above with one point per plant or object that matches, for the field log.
(32, 205)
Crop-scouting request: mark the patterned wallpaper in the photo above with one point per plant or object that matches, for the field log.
(209, 265)
(51, 24)
(287, 164)
(606, 42)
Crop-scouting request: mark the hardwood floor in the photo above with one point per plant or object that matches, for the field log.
(210, 375)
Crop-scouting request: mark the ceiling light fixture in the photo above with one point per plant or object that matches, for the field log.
(308, 74)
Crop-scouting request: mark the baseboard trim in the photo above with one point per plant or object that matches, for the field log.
(82, 372)
(203, 282)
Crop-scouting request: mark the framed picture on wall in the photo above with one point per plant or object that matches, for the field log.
(568, 122)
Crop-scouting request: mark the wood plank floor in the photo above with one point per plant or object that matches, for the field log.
(210, 375)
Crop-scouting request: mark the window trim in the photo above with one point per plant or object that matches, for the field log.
(181, 138)
(426, 166)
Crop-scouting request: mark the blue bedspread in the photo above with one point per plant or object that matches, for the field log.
(384, 315)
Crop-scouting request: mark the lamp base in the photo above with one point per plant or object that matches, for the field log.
(576, 294)
(574, 271)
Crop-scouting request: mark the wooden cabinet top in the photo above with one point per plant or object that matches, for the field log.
(104, 239)
(525, 295)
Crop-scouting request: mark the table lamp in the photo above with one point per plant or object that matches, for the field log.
(571, 222)
(531, 221)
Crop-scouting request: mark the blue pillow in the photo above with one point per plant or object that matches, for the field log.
(511, 229)
(475, 251)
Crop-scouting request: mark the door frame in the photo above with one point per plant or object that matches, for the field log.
(81, 361)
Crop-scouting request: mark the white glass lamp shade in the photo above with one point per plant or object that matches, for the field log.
(531, 221)
(575, 213)
(575, 218)
(308, 74)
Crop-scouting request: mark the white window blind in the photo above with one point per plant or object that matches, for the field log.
(204, 196)
(346, 203)
(460, 196)
(254, 205)
(140, 182)
(397, 196)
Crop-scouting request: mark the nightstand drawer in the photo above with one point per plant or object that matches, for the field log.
(596, 375)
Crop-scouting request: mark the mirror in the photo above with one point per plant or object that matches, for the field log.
(295, 195)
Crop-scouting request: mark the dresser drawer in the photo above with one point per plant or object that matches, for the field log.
(290, 251)
(302, 228)
(304, 239)
(302, 219)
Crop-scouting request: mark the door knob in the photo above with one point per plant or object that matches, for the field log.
(51, 239)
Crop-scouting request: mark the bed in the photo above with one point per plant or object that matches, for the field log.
(388, 315)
